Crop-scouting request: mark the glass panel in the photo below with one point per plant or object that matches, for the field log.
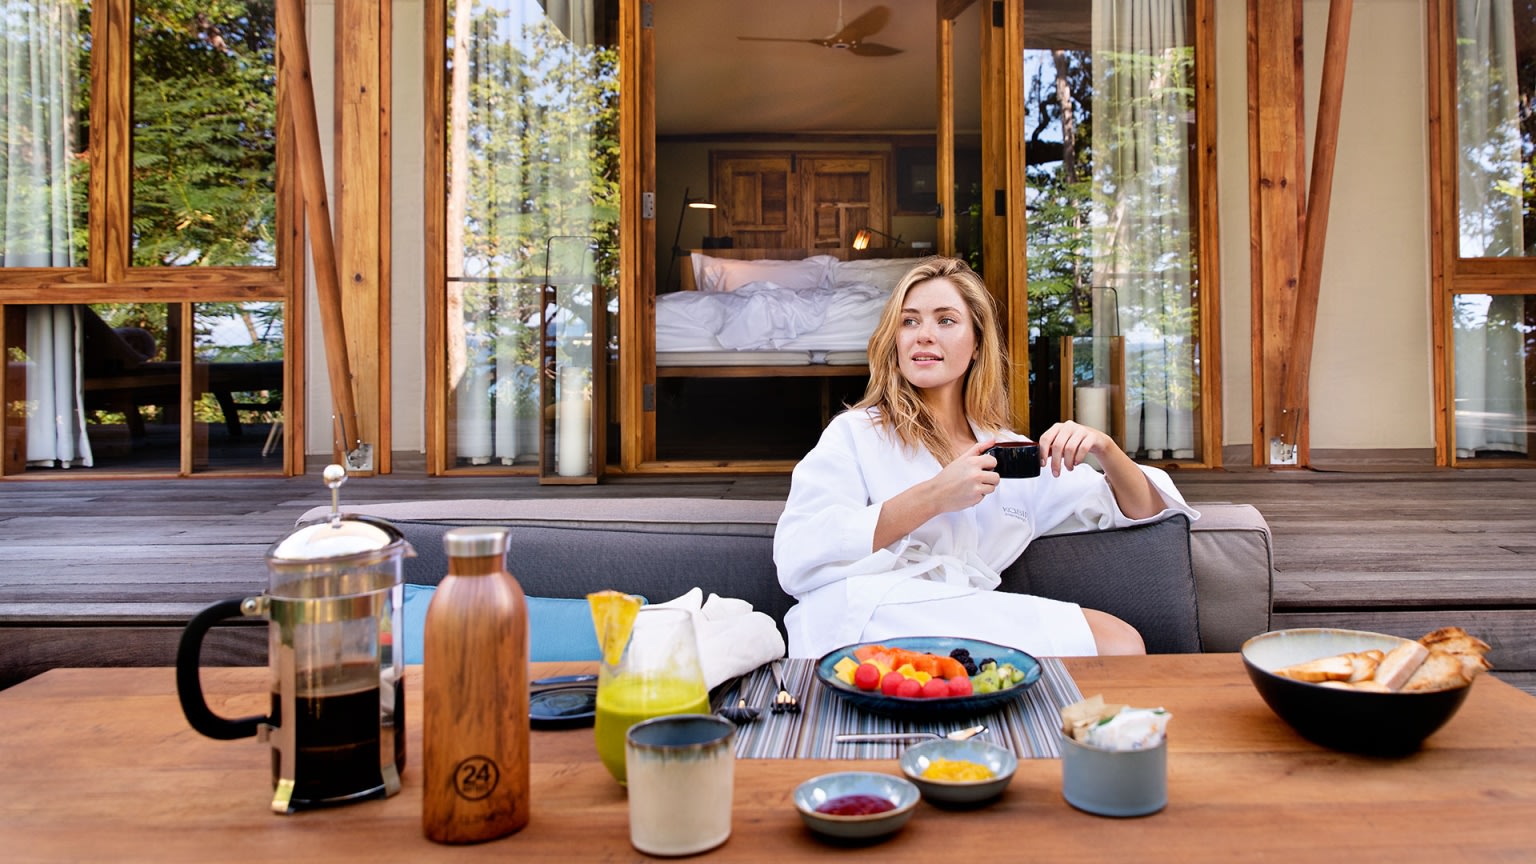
(237, 395)
(204, 133)
(1495, 83)
(1495, 376)
(132, 385)
(532, 136)
(45, 74)
(966, 195)
(1110, 192)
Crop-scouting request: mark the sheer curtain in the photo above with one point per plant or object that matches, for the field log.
(522, 144)
(1490, 372)
(37, 44)
(1143, 246)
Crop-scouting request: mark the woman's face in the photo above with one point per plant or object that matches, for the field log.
(937, 339)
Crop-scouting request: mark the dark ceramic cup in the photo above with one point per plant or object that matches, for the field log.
(1016, 458)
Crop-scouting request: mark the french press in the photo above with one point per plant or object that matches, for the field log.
(337, 722)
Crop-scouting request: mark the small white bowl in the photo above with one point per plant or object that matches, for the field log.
(819, 790)
(999, 760)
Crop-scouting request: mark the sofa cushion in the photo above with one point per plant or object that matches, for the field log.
(1142, 574)
(558, 628)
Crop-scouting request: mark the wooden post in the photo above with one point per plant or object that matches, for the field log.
(294, 64)
(1319, 193)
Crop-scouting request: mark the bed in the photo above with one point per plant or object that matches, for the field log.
(775, 312)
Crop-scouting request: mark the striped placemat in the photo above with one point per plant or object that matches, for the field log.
(1030, 726)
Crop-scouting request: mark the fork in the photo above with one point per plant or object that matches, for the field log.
(785, 701)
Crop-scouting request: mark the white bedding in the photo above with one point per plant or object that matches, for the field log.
(764, 316)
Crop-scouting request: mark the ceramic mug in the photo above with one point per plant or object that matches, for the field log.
(1016, 458)
(681, 776)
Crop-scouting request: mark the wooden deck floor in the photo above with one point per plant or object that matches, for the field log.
(1352, 548)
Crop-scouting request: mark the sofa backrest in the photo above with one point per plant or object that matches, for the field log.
(662, 547)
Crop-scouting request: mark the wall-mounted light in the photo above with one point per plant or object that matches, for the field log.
(689, 202)
(865, 234)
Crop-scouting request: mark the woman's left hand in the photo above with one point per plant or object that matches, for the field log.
(1068, 443)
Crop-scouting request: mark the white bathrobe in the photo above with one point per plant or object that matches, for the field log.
(938, 580)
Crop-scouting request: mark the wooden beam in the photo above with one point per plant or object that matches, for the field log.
(1320, 192)
(945, 145)
(362, 200)
(1277, 210)
(294, 66)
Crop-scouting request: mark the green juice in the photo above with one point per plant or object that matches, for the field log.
(626, 700)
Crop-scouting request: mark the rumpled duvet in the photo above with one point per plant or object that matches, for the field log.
(767, 316)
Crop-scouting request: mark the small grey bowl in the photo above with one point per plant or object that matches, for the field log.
(999, 760)
(819, 790)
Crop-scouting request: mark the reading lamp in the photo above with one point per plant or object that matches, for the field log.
(677, 251)
(862, 238)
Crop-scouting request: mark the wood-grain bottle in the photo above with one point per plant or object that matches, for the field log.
(475, 695)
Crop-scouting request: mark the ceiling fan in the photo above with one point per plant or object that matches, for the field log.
(850, 36)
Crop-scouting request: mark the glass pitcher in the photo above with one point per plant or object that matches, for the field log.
(658, 674)
(337, 722)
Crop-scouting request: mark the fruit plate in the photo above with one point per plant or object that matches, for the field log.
(951, 706)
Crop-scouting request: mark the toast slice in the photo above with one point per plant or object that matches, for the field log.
(1400, 664)
(1339, 667)
(1441, 670)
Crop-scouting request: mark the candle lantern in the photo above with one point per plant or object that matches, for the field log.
(572, 362)
(1093, 370)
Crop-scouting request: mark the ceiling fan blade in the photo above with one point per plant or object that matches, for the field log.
(779, 39)
(872, 49)
(862, 27)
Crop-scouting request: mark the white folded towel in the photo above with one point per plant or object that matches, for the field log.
(733, 639)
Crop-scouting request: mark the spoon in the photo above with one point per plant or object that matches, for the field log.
(860, 737)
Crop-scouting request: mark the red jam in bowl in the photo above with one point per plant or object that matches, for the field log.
(856, 805)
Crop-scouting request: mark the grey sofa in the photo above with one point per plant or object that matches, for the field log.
(1205, 586)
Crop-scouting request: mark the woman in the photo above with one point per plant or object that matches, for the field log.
(896, 524)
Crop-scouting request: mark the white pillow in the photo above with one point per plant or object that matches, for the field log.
(726, 274)
(883, 273)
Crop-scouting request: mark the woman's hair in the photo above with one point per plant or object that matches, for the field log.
(985, 389)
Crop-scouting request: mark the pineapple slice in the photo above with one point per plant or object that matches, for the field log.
(613, 616)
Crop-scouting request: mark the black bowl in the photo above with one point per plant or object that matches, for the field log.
(1355, 721)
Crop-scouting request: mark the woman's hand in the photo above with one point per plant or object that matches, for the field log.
(961, 484)
(965, 481)
(1067, 444)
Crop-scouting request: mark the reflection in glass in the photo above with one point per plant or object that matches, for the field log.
(1110, 192)
(132, 384)
(1495, 367)
(204, 133)
(532, 137)
(1495, 128)
(237, 396)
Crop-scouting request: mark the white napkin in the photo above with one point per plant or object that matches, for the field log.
(733, 639)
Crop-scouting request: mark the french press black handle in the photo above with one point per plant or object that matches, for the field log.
(189, 685)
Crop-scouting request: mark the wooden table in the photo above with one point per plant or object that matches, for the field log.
(98, 764)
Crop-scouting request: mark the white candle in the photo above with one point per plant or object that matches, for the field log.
(573, 453)
(506, 408)
(474, 414)
(1093, 407)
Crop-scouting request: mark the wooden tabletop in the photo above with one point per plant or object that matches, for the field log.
(99, 764)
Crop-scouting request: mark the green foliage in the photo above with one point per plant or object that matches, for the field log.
(204, 132)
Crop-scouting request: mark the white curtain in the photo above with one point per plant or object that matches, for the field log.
(1491, 408)
(1143, 247)
(37, 45)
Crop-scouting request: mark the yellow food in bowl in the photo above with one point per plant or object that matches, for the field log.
(956, 771)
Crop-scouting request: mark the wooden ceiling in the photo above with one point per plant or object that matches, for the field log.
(710, 82)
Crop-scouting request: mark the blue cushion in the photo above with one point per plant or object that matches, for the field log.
(559, 628)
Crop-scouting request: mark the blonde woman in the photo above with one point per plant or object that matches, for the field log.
(897, 524)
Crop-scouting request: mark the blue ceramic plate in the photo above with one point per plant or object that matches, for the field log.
(953, 706)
